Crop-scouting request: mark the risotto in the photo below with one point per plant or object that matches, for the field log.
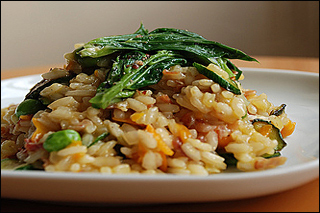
(161, 102)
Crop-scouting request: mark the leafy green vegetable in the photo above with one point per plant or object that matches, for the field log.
(162, 39)
(126, 76)
(168, 47)
(85, 55)
(61, 139)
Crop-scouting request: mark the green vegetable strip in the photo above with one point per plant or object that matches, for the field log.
(223, 64)
(99, 138)
(233, 67)
(228, 84)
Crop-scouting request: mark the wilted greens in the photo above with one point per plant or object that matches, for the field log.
(142, 56)
(132, 71)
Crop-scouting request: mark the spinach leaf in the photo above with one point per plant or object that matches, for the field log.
(107, 45)
(125, 76)
(123, 50)
(161, 39)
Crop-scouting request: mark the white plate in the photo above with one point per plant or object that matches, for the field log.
(299, 90)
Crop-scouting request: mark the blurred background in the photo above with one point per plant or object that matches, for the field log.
(37, 33)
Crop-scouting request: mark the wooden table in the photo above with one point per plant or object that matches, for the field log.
(301, 199)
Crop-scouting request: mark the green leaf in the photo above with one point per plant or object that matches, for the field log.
(161, 39)
(141, 30)
(123, 65)
(177, 31)
(125, 77)
(153, 74)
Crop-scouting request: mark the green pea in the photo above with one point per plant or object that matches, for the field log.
(29, 107)
(59, 140)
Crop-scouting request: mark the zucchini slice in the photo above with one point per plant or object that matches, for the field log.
(273, 134)
(226, 83)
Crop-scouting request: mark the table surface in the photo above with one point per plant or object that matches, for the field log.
(300, 199)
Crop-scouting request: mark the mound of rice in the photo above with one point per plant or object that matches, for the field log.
(178, 126)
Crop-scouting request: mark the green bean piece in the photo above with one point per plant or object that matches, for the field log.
(29, 107)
